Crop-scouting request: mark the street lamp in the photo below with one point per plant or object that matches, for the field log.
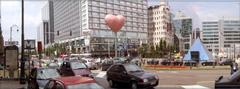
(22, 73)
(11, 28)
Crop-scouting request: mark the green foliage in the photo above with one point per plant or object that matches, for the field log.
(159, 51)
(58, 48)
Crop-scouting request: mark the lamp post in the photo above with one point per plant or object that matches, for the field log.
(11, 31)
(22, 73)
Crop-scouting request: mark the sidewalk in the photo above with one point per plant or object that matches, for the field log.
(11, 84)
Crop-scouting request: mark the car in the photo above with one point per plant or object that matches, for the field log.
(106, 64)
(190, 63)
(39, 77)
(231, 82)
(226, 62)
(74, 67)
(73, 82)
(132, 75)
(120, 60)
(208, 63)
(90, 63)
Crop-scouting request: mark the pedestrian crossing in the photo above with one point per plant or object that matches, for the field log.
(181, 87)
(194, 87)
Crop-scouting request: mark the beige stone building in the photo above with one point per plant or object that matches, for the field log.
(159, 24)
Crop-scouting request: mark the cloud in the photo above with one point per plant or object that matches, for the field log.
(11, 14)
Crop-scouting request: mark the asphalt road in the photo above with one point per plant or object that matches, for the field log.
(183, 79)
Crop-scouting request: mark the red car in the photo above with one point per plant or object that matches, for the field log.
(73, 82)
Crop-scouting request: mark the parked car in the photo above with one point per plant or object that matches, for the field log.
(73, 82)
(231, 82)
(74, 67)
(39, 77)
(90, 63)
(190, 63)
(106, 64)
(226, 62)
(130, 74)
(120, 60)
(166, 62)
(208, 63)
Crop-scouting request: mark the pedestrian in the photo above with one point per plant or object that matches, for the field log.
(234, 67)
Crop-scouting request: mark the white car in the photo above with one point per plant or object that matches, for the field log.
(90, 63)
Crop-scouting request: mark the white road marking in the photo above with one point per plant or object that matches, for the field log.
(194, 87)
(101, 74)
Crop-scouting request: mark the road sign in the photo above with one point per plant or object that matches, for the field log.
(29, 44)
(10, 43)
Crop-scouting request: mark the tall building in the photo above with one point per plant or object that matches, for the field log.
(196, 33)
(80, 25)
(46, 28)
(212, 36)
(222, 36)
(1, 39)
(231, 33)
(159, 24)
(183, 30)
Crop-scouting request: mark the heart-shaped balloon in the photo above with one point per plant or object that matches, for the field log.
(115, 22)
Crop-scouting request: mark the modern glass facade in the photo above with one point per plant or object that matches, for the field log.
(183, 30)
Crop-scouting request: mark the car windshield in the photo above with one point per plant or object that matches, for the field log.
(85, 86)
(235, 75)
(47, 73)
(133, 68)
(78, 65)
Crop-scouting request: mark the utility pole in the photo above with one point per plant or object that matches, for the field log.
(22, 72)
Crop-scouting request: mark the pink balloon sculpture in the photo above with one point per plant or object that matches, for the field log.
(115, 22)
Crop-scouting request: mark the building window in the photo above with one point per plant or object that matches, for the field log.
(57, 33)
(70, 33)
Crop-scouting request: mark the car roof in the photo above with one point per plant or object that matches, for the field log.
(71, 80)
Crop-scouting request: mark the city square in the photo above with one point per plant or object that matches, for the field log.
(119, 44)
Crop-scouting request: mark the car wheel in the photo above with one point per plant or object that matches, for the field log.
(111, 83)
(134, 85)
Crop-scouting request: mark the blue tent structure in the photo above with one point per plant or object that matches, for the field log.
(198, 47)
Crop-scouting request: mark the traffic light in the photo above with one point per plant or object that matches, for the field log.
(39, 45)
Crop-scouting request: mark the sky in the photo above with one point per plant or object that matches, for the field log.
(199, 10)
(11, 15)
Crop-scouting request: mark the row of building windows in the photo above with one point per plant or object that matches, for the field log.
(210, 35)
(231, 21)
(210, 32)
(213, 42)
(207, 39)
(231, 41)
(210, 25)
(231, 32)
(233, 38)
(116, 5)
(209, 29)
(210, 22)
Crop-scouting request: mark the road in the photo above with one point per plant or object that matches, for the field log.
(181, 79)
(184, 79)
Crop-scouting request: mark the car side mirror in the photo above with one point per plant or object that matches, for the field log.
(124, 72)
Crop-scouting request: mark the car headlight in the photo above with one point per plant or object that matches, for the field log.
(145, 80)
(156, 77)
